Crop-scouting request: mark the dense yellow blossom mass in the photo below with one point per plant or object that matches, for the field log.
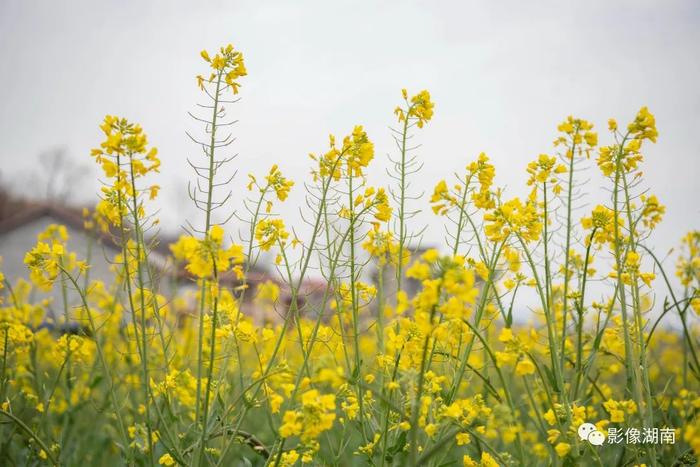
(395, 354)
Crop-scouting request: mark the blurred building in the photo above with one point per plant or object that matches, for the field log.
(21, 221)
(20, 226)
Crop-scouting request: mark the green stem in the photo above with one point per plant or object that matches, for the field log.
(142, 298)
(579, 327)
(33, 435)
(413, 434)
(355, 306)
(567, 247)
(402, 202)
(203, 289)
(210, 372)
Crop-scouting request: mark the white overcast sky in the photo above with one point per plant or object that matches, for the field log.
(502, 74)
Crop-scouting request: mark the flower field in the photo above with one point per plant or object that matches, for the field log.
(543, 330)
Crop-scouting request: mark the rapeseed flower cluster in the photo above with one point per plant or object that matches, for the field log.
(514, 217)
(227, 65)
(206, 258)
(418, 108)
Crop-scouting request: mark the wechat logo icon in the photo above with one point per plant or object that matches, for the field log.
(589, 432)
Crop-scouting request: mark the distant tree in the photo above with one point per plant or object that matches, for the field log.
(59, 177)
